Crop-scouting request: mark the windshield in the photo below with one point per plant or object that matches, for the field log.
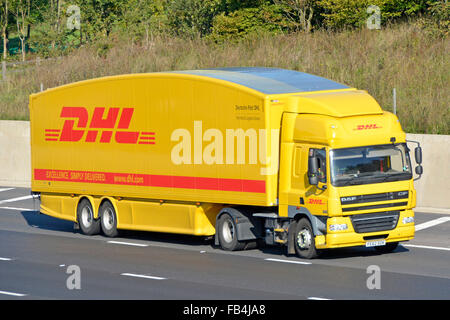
(371, 164)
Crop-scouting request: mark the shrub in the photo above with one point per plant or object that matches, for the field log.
(249, 21)
(353, 13)
(437, 20)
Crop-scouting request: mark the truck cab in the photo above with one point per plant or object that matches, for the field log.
(345, 175)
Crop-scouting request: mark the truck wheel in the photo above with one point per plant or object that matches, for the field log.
(304, 240)
(388, 247)
(108, 219)
(228, 234)
(85, 215)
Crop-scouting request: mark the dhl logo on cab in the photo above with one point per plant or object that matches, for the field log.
(367, 126)
(109, 126)
(315, 201)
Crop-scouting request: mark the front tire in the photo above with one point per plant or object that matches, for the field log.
(305, 245)
(85, 216)
(108, 218)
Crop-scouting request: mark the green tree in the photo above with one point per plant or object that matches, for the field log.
(192, 18)
(247, 21)
(98, 17)
(143, 18)
(21, 10)
(4, 15)
(437, 19)
(52, 35)
(298, 12)
(230, 6)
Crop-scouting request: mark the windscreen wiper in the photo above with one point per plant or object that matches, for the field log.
(394, 175)
(366, 175)
(349, 181)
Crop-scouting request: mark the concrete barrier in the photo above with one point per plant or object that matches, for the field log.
(15, 164)
(433, 189)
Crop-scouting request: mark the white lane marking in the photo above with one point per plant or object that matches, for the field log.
(287, 261)
(128, 243)
(13, 294)
(425, 247)
(431, 223)
(5, 259)
(17, 209)
(5, 189)
(18, 199)
(317, 298)
(142, 276)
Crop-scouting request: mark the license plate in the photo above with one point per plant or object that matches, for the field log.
(375, 243)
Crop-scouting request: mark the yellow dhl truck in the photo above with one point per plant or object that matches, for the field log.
(242, 154)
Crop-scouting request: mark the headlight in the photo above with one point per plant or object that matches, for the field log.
(338, 227)
(408, 220)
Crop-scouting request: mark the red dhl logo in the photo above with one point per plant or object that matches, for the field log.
(367, 127)
(98, 124)
(315, 201)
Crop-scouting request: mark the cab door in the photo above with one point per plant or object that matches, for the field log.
(316, 196)
(295, 190)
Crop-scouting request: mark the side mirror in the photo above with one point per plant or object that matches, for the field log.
(313, 168)
(313, 180)
(419, 170)
(418, 155)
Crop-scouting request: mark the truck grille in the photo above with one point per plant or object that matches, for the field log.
(376, 206)
(373, 222)
(374, 197)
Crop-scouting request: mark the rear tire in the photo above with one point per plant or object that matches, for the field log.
(108, 218)
(227, 233)
(305, 245)
(85, 216)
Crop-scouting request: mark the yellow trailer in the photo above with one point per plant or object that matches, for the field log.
(239, 153)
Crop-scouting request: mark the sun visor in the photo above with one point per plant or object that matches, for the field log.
(336, 104)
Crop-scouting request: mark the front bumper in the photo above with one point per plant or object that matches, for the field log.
(350, 238)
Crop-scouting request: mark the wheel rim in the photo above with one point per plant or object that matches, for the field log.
(228, 231)
(304, 239)
(108, 219)
(86, 216)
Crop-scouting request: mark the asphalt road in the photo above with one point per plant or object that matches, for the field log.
(45, 258)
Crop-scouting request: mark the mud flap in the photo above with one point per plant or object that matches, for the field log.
(247, 228)
(291, 239)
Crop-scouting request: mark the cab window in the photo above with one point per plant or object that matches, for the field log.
(322, 172)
